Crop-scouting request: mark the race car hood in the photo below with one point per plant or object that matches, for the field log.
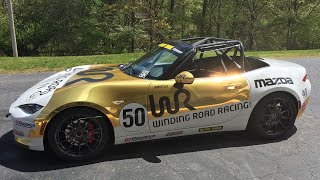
(38, 93)
(98, 73)
(76, 76)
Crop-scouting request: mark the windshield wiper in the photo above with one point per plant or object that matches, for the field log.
(123, 67)
(132, 69)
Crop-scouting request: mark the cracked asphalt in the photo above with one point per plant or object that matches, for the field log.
(234, 155)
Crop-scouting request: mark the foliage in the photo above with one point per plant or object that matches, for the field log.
(84, 27)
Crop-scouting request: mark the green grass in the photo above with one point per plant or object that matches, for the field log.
(42, 64)
(285, 54)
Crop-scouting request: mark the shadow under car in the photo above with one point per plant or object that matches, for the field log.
(24, 160)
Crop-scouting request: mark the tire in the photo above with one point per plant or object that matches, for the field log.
(273, 116)
(78, 134)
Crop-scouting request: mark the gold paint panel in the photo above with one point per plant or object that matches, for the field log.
(204, 93)
(125, 89)
(99, 95)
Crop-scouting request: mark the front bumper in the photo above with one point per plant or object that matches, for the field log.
(35, 144)
(27, 131)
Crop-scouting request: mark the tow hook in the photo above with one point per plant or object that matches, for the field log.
(8, 115)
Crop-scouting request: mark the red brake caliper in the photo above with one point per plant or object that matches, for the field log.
(90, 133)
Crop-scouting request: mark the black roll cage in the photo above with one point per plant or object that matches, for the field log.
(202, 44)
(216, 44)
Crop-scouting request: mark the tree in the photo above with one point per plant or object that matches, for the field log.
(80, 27)
(254, 11)
(297, 15)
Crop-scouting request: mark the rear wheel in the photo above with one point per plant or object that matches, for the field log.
(273, 116)
(78, 134)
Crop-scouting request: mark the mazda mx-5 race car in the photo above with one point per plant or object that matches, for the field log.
(184, 87)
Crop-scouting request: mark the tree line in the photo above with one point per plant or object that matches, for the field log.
(84, 27)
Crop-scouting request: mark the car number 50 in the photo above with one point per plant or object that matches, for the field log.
(133, 117)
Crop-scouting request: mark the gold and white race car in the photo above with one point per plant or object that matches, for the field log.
(184, 87)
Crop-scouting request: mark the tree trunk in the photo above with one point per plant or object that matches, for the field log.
(218, 19)
(293, 9)
(171, 10)
(183, 23)
(151, 33)
(171, 6)
(133, 22)
(203, 17)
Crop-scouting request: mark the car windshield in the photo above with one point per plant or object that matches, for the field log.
(153, 64)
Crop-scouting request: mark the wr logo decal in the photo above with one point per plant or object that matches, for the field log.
(165, 100)
(90, 72)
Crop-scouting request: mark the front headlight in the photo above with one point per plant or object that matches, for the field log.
(30, 108)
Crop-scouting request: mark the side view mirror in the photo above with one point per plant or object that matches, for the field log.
(184, 77)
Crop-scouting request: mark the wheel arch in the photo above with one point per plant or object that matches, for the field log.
(290, 93)
(89, 106)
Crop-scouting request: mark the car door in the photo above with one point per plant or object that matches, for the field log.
(207, 101)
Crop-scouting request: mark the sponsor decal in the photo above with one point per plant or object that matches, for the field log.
(161, 86)
(139, 138)
(272, 81)
(19, 133)
(90, 72)
(170, 47)
(167, 46)
(174, 133)
(214, 128)
(50, 86)
(177, 50)
(164, 100)
(305, 93)
(181, 76)
(25, 124)
(72, 69)
(201, 114)
(133, 117)
(118, 102)
(144, 74)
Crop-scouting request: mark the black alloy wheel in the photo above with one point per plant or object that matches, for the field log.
(78, 134)
(273, 116)
(276, 116)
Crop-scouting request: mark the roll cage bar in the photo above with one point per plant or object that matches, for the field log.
(202, 44)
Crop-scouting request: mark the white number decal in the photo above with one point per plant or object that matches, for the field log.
(133, 117)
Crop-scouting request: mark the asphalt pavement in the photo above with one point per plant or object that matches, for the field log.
(232, 155)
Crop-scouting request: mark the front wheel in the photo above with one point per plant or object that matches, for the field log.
(273, 116)
(78, 134)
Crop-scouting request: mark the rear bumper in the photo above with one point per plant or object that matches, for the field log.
(303, 107)
(305, 98)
